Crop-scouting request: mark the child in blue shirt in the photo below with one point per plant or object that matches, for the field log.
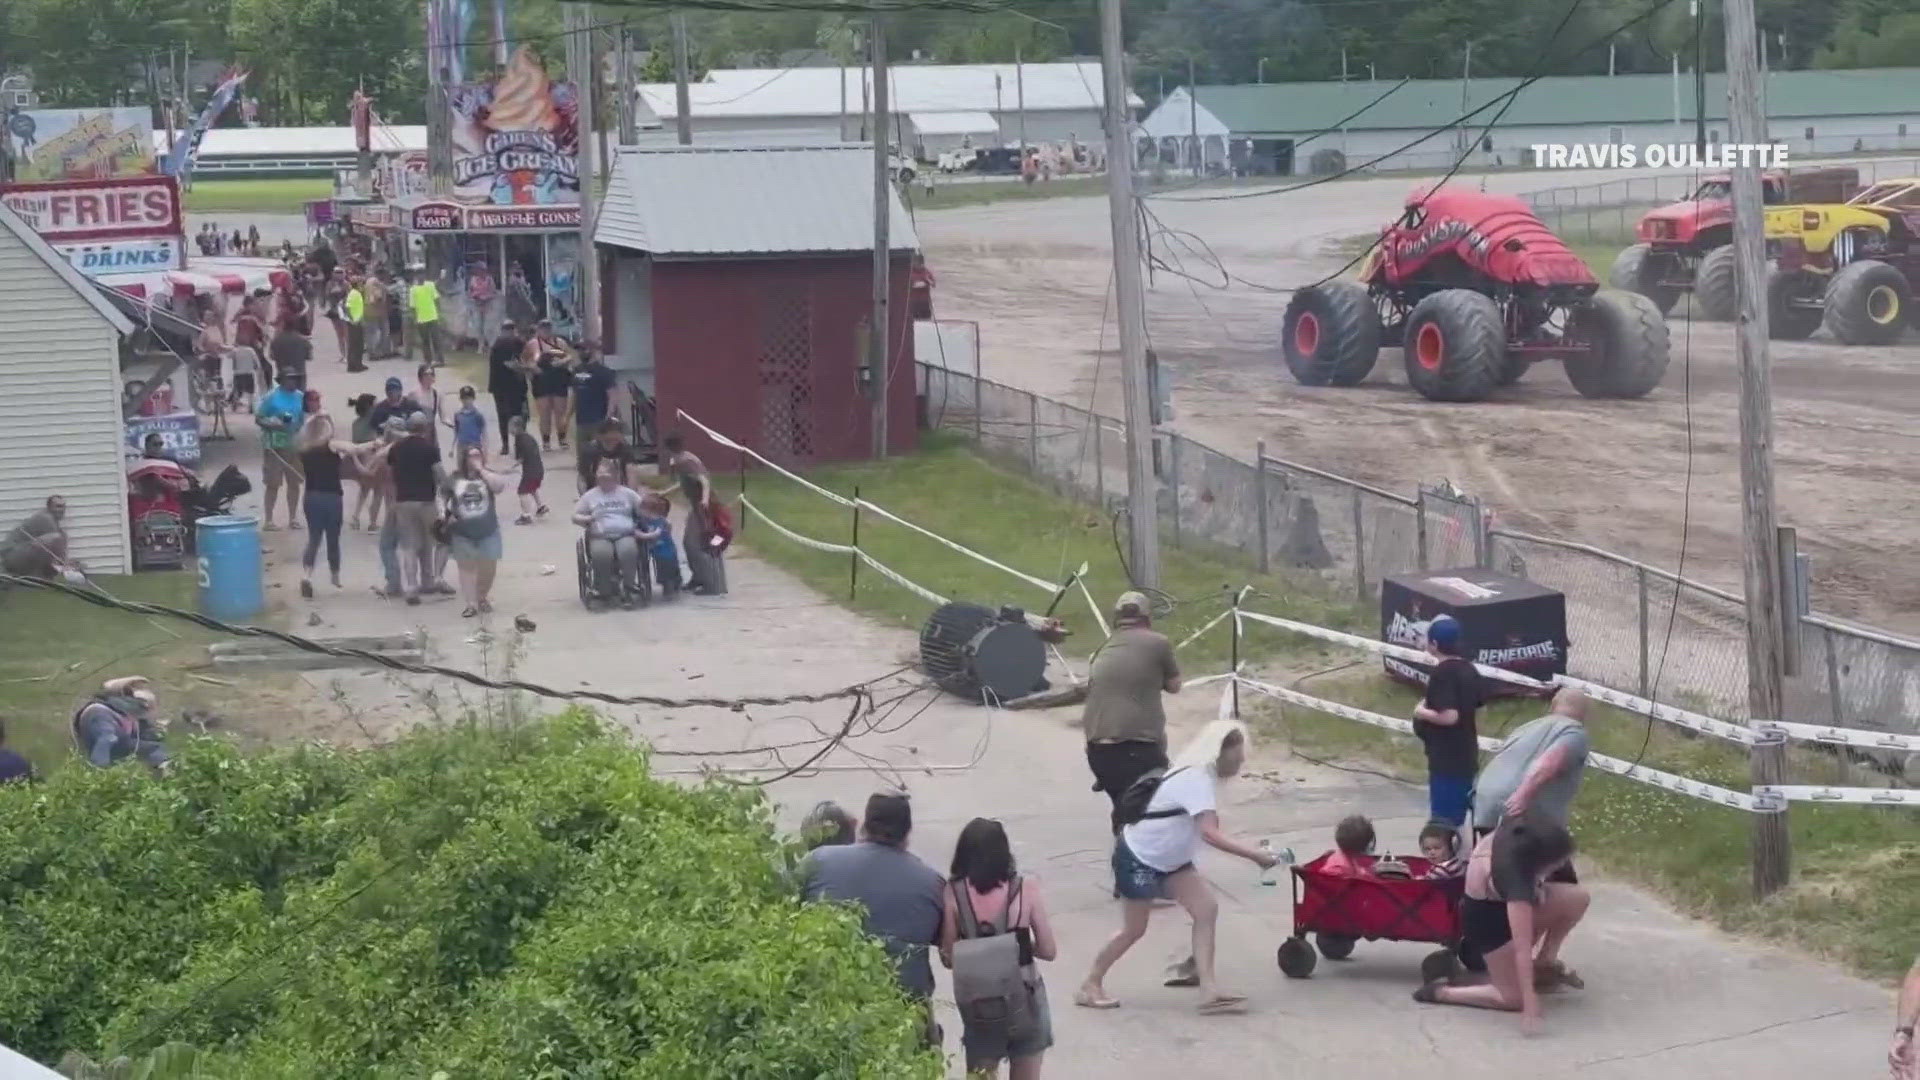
(469, 426)
(654, 510)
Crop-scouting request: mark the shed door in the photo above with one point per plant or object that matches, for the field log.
(786, 373)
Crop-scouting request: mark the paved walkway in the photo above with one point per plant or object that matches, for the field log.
(1666, 997)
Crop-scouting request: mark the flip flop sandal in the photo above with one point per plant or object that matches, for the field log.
(1181, 979)
(1088, 1001)
(1226, 1005)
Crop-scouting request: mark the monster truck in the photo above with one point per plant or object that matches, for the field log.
(1852, 266)
(1685, 246)
(1477, 289)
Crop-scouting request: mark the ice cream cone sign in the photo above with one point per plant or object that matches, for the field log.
(514, 139)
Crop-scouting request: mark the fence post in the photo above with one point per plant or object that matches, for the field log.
(1033, 435)
(1234, 658)
(979, 404)
(1482, 543)
(853, 557)
(1646, 674)
(742, 467)
(1359, 551)
(1420, 529)
(1833, 681)
(1260, 496)
(1099, 461)
(1173, 483)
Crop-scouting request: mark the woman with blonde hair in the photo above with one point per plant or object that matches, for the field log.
(1153, 857)
(324, 503)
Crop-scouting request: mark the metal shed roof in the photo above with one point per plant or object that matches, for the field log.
(1290, 108)
(718, 201)
(913, 88)
(291, 141)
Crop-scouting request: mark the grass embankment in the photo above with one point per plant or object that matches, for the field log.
(950, 490)
(1856, 893)
(948, 194)
(55, 651)
(1857, 888)
(256, 195)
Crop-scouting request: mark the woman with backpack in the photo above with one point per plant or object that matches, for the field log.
(1166, 817)
(473, 527)
(994, 931)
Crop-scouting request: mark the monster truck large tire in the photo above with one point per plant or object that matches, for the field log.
(1788, 320)
(1637, 269)
(1868, 303)
(1713, 286)
(1629, 339)
(1331, 335)
(1456, 346)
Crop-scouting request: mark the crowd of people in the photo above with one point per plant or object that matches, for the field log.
(1501, 830)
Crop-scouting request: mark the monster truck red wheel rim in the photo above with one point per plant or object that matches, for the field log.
(1306, 334)
(1883, 305)
(1429, 346)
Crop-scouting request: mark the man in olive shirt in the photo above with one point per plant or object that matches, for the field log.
(1125, 725)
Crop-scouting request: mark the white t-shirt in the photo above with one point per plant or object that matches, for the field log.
(1168, 843)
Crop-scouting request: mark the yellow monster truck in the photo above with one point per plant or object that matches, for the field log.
(1852, 265)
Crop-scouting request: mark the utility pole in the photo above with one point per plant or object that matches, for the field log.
(1466, 78)
(1193, 121)
(1766, 645)
(881, 331)
(1700, 75)
(578, 22)
(1143, 533)
(682, 97)
(628, 112)
(1020, 99)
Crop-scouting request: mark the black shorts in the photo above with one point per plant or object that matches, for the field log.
(1564, 875)
(1116, 765)
(1483, 927)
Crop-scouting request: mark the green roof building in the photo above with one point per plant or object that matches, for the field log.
(1322, 127)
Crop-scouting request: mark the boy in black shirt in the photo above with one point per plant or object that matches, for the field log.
(1444, 722)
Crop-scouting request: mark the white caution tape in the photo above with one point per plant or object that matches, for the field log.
(1820, 733)
(1093, 606)
(1038, 583)
(1680, 785)
(1205, 679)
(1693, 721)
(1211, 623)
(750, 452)
(1856, 795)
(901, 580)
(804, 541)
(1665, 781)
(1225, 709)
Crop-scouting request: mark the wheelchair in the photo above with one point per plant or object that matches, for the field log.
(622, 594)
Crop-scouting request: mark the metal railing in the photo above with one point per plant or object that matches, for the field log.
(1633, 625)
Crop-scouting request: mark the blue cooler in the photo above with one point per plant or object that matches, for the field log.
(230, 586)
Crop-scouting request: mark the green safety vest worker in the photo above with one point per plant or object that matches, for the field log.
(426, 302)
(356, 305)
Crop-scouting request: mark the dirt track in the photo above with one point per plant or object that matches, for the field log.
(1609, 473)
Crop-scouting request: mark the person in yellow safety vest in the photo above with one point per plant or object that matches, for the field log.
(423, 297)
(356, 326)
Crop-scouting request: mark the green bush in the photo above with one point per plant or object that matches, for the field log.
(511, 903)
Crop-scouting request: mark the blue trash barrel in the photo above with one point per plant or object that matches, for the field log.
(229, 549)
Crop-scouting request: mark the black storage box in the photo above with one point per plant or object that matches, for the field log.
(1505, 622)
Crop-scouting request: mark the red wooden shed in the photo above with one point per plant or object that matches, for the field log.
(739, 288)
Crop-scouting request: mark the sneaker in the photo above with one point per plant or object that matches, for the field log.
(523, 519)
(542, 512)
(306, 589)
(441, 588)
(485, 607)
(413, 599)
(336, 581)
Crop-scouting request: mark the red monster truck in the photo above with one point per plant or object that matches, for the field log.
(1477, 289)
(1685, 246)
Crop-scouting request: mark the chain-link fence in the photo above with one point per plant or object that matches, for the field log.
(1632, 625)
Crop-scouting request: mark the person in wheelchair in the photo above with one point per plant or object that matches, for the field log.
(611, 513)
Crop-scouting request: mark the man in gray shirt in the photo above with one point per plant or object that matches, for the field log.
(1124, 722)
(901, 897)
(1538, 770)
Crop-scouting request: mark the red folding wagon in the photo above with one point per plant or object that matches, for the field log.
(1378, 904)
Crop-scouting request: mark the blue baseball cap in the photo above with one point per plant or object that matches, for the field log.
(394, 384)
(1444, 633)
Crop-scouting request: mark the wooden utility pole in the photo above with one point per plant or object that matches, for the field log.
(1766, 647)
(682, 97)
(1020, 99)
(580, 65)
(628, 112)
(1699, 13)
(1143, 532)
(879, 359)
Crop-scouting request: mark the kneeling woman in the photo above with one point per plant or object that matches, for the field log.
(1509, 907)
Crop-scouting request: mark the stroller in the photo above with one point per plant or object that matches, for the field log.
(164, 502)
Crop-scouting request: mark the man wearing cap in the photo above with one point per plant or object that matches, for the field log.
(1444, 721)
(507, 381)
(395, 405)
(279, 416)
(1124, 722)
